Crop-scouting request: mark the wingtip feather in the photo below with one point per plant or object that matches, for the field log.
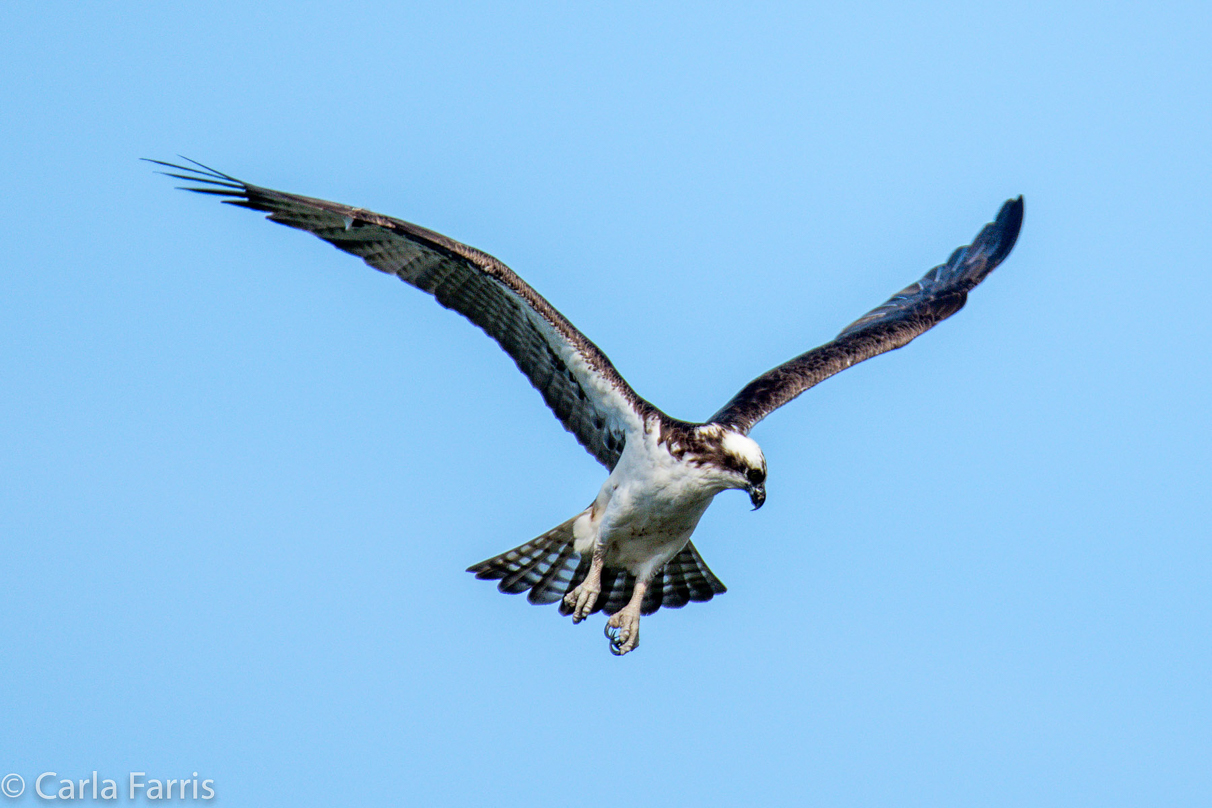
(1009, 222)
(199, 173)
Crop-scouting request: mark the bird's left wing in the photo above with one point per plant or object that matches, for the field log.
(578, 382)
(910, 312)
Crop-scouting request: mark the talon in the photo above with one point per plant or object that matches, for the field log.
(623, 631)
(616, 644)
(580, 601)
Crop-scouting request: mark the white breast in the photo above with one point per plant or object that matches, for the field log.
(650, 504)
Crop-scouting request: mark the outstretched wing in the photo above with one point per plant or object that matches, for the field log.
(910, 312)
(577, 381)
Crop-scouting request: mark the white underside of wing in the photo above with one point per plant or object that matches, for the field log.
(603, 396)
(600, 389)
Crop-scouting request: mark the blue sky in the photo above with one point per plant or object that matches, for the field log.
(241, 474)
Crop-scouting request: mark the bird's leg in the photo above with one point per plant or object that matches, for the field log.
(623, 627)
(582, 598)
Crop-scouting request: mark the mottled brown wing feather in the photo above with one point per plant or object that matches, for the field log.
(910, 312)
(576, 379)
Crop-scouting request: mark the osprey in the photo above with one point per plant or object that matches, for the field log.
(629, 552)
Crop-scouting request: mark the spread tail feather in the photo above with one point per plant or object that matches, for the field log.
(543, 565)
(685, 578)
(549, 567)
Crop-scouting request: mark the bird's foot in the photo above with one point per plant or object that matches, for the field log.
(623, 631)
(580, 601)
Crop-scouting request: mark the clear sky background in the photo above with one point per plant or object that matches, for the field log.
(241, 473)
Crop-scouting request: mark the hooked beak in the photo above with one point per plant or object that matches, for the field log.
(757, 495)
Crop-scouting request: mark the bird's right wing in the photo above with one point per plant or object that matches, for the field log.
(580, 385)
(912, 311)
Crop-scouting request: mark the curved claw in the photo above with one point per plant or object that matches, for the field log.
(616, 645)
(623, 638)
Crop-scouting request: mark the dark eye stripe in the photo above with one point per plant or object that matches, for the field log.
(756, 476)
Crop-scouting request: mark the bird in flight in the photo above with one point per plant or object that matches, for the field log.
(629, 552)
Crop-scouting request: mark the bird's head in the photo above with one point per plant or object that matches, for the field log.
(742, 461)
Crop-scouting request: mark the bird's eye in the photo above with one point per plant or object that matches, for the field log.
(756, 476)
